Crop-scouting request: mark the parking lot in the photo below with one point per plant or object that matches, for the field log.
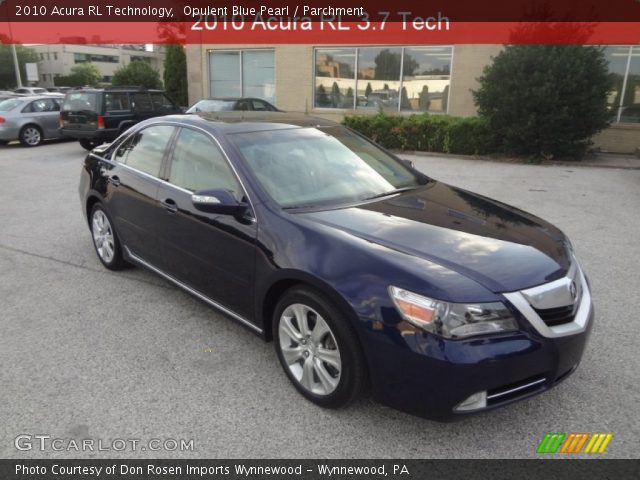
(88, 353)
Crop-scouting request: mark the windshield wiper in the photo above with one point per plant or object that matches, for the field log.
(391, 192)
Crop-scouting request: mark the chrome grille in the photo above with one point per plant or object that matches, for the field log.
(556, 316)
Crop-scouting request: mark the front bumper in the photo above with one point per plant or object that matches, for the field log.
(430, 376)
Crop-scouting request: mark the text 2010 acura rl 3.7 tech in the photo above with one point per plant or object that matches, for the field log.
(366, 273)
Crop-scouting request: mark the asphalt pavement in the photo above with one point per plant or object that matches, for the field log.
(90, 354)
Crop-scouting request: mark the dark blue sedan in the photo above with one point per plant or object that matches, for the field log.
(367, 274)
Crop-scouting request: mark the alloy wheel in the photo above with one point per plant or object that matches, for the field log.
(103, 237)
(32, 136)
(309, 349)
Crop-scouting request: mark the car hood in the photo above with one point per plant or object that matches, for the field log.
(498, 246)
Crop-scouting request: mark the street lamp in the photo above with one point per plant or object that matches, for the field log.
(15, 64)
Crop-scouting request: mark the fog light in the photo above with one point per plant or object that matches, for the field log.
(474, 402)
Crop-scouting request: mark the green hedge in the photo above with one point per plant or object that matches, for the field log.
(432, 133)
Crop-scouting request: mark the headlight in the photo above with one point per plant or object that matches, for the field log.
(452, 320)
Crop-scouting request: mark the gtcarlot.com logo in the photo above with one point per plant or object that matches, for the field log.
(574, 442)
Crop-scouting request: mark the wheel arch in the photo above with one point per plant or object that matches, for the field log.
(288, 279)
(31, 124)
(92, 199)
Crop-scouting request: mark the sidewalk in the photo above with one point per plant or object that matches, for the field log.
(600, 160)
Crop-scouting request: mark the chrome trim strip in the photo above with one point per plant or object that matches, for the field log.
(497, 395)
(193, 292)
(580, 320)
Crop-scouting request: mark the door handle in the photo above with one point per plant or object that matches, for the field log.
(115, 180)
(169, 205)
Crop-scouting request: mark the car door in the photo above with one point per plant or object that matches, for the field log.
(133, 180)
(43, 112)
(212, 253)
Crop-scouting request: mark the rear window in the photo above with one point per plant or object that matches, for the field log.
(9, 104)
(212, 106)
(80, 101)
(39, 90)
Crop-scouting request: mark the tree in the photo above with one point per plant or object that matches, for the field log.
(137, 73)
(81, 74)
(175, 74)
(322, 98)
(388, 65)
(349, 94)
(405, 104)
(423, 99)
(545, 100)
(7, 72)
(368, 90)
(335, 95)
(445, 99)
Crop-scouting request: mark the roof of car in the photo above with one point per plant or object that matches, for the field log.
(243, 122)
(111, 89)
(28, 98)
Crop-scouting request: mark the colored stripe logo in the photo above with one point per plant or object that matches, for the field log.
(576, 442)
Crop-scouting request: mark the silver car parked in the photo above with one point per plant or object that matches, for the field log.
(29, 119)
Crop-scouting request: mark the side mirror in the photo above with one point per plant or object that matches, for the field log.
(217, 201)
(408, 163)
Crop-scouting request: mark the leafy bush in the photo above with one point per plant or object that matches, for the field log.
(137, 73)
(81, 75)
(433, 133)
(545, 100)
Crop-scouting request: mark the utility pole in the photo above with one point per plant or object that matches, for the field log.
(15, 64)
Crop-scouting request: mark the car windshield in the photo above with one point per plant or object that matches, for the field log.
(10, 104)
(322, 167)
(212, 106)
(80, 101)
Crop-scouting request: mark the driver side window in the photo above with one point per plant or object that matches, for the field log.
(198, 164)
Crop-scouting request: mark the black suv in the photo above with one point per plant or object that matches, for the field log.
(98, 115)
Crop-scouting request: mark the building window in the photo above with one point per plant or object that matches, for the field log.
(390, 78)
(426, 78)
(335, 82)
(88, 57)
(624, 69)
(242, 73)
(55, 55)
(379, 78)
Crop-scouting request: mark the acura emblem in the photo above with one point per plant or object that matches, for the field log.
(573, 290)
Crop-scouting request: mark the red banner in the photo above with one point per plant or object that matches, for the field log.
(277, 32)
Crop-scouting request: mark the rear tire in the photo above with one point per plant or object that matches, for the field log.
(30, 136)
(318, 348)
(105, 239)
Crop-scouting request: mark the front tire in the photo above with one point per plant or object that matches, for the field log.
(318, 349)
(30, 136)
(105, 239)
